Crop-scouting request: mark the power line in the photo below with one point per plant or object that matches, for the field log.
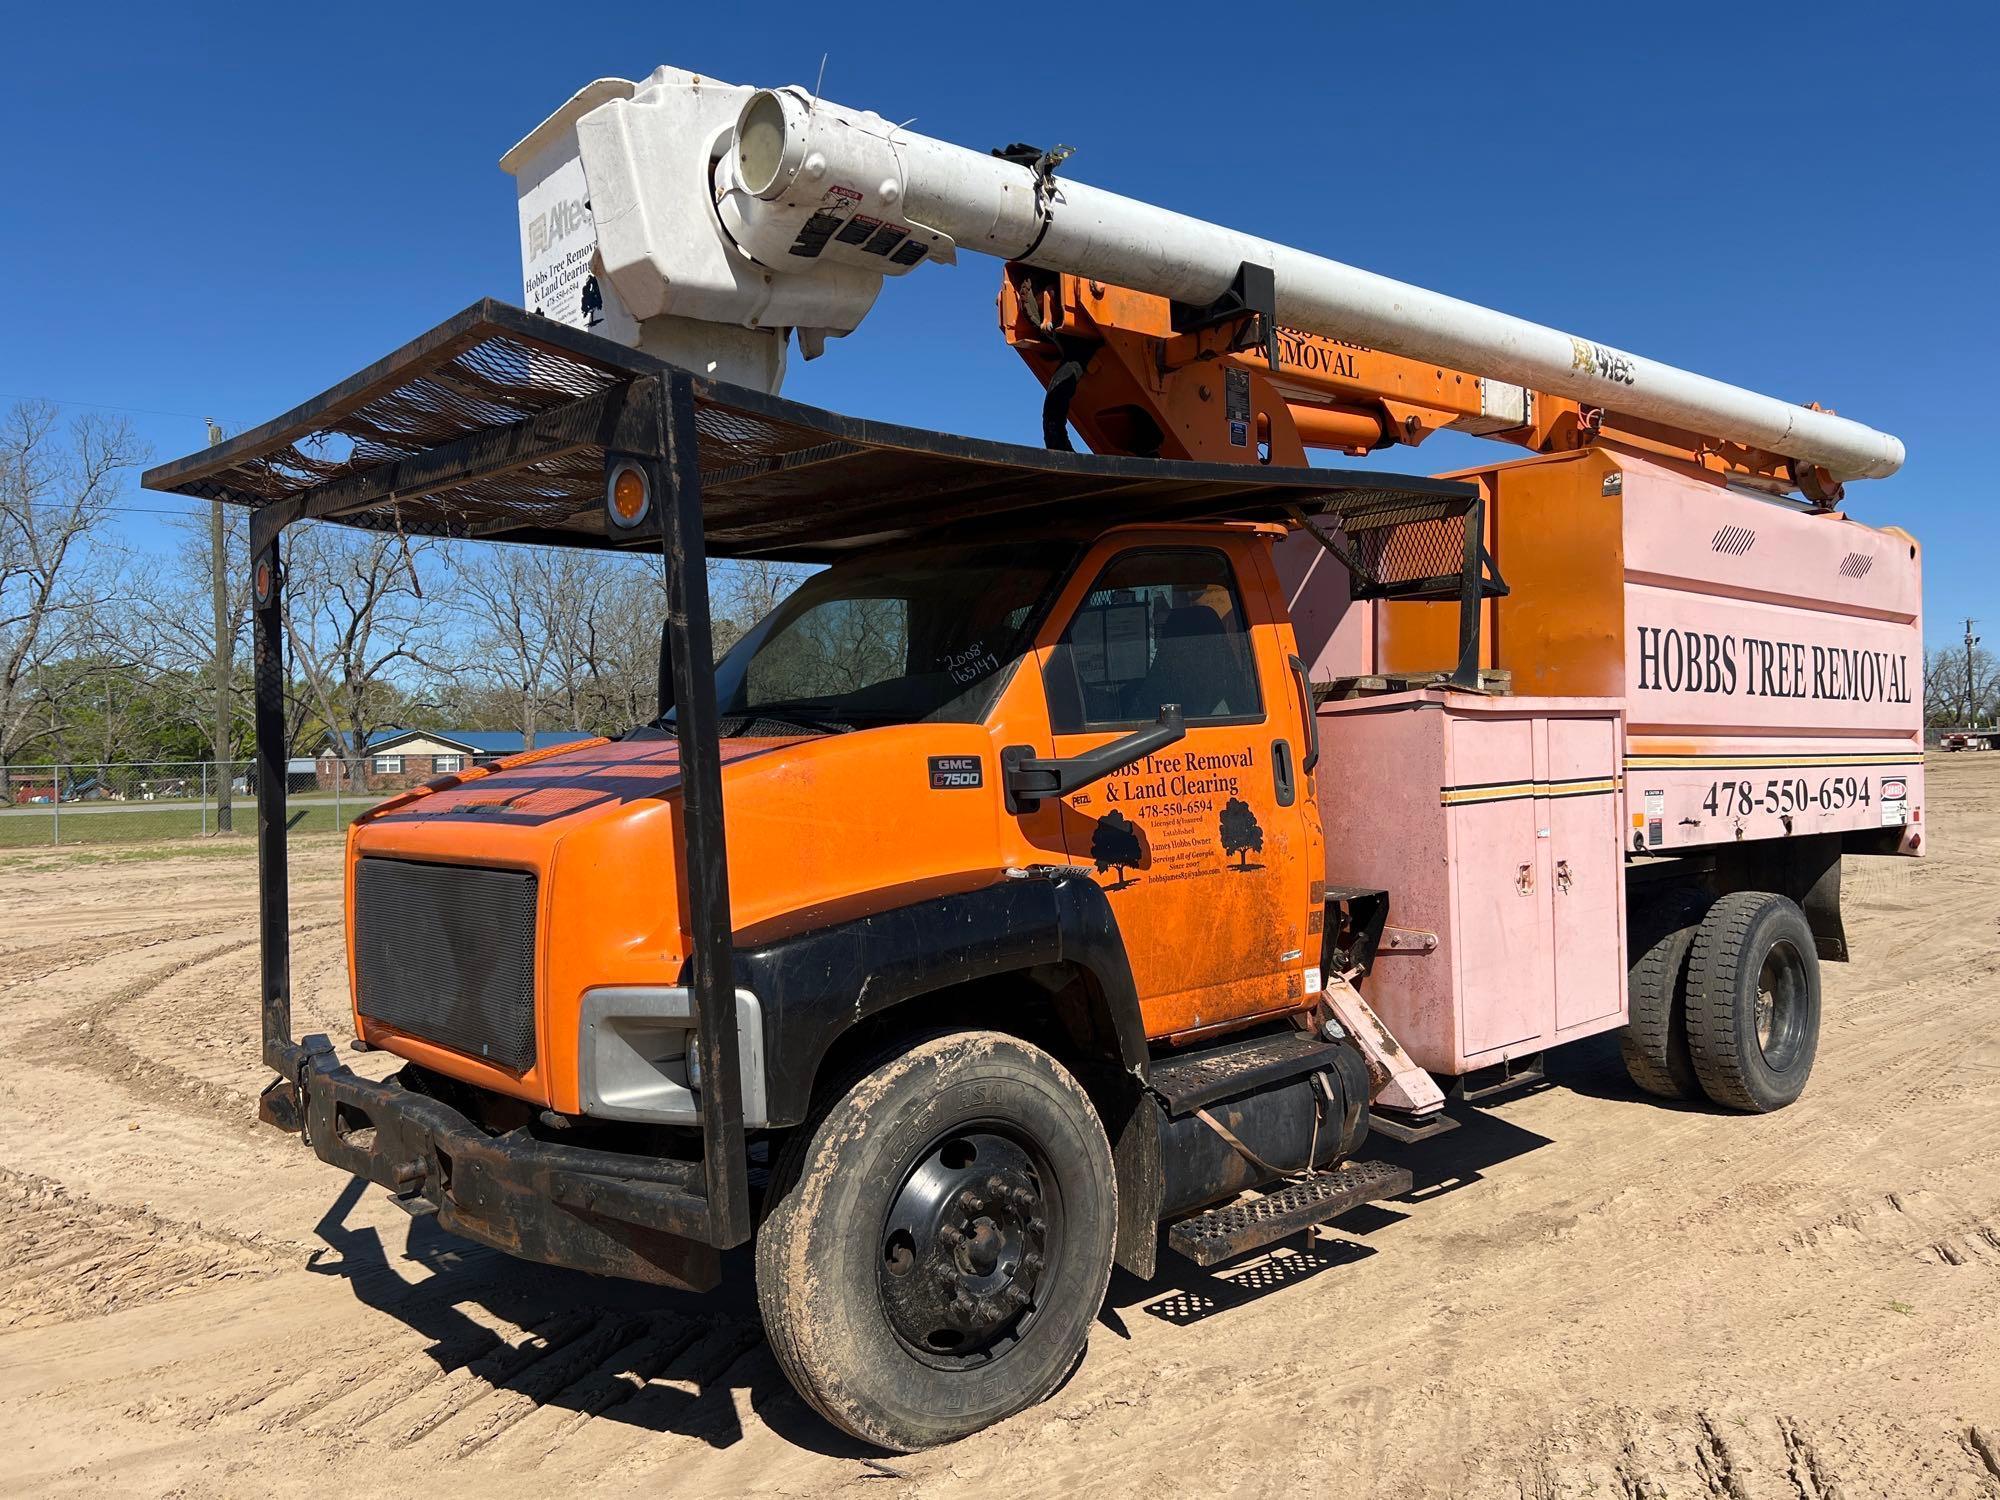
(137, 411)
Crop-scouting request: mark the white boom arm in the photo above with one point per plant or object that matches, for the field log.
(768, 209)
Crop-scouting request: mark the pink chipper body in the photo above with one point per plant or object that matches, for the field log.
(1771, 676)
(1813, 681)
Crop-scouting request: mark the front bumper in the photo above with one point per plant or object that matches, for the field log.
(644, 1218)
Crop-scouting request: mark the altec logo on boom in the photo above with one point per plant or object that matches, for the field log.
(1695, 661)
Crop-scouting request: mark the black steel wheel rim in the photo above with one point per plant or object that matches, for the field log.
(1781, 1006)
(971, 1245)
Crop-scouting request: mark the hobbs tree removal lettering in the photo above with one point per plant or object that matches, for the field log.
(1698, 661)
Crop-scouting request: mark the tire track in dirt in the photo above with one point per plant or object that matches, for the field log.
(37, 965)
(150, 1057)
(63, 1257)
(504, 1393)
(1598, 1296)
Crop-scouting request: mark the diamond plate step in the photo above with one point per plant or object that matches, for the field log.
(1232, 1229)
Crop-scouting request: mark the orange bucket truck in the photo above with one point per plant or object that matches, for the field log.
(1098, 843)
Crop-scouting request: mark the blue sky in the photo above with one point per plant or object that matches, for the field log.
(221, 210)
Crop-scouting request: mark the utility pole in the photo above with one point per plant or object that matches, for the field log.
(1971, 640)
(225, 646)
(1971, 687)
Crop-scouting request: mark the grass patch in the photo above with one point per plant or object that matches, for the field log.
(95, 825)
(238, 847)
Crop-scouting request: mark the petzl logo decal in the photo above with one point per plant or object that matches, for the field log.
(953, 772)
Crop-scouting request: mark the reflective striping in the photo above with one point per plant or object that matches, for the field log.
(1598, 788)
(1726, 762)
(1514, 791)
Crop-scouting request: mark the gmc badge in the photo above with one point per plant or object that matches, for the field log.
(952, 772)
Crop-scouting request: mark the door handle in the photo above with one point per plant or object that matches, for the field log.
(1311, 718)
(1524, 880)
(1562, 874)
(1281, 772)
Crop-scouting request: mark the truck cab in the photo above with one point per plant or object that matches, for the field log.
(881, 732)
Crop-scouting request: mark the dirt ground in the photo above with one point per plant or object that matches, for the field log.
(1587, 1294)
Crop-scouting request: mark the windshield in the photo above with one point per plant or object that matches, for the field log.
(897, 638)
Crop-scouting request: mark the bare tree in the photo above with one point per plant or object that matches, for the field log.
(745, 590)
(611, 674)
(355, 612)
(533, 609)
(225, 624)
(188, 627)
(56, 486)
(1961, 686)
(614, 681)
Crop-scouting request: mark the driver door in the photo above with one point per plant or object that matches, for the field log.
(1202, 848)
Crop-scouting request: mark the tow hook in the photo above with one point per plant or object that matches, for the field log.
(282, 1105)
(407, 1177)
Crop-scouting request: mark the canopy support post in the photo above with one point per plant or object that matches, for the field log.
(676, 480)
(267, 607)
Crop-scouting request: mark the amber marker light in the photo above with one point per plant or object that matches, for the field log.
(626, 494)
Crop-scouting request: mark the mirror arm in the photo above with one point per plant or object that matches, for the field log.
(1029, 778)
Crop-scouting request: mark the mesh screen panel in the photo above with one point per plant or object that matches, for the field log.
(447, 953)
(777, 479)
(1404, 542)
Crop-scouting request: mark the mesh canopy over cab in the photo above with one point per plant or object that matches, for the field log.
(497, 424)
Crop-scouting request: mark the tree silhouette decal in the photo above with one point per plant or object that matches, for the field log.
(1115, 845)
(1240, 834)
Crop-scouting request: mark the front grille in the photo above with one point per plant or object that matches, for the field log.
(447, 953)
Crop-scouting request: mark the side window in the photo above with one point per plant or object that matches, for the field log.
(1158, 626)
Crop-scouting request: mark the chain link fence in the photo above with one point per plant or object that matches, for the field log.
(132, 802)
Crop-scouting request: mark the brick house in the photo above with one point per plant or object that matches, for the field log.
(399, 758)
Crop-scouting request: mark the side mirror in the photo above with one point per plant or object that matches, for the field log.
(1029, 778)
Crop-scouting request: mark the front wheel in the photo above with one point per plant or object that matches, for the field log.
(1753, 1001)
(938, 1240)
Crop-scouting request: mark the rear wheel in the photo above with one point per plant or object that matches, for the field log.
(1753, 1001)
(1654, 1042)
(939, 1240)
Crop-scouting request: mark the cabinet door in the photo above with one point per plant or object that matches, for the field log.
(1500, 928)
(1586, 888)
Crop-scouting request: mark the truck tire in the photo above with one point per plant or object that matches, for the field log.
(1655, 1042)
(1753, 1001)
(938, 1240)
